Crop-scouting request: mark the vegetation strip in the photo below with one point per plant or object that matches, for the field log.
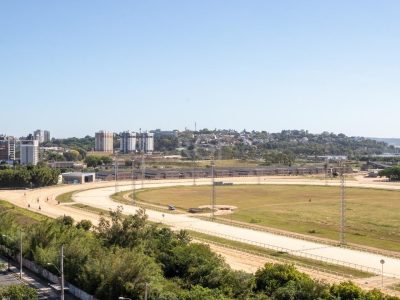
(66, 197)
(282, 256)
(124, 254)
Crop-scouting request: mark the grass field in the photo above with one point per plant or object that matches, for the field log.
(65, 198)
(373, 216)
(20, 215)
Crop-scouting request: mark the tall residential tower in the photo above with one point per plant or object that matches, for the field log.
(127, 142)
(7, 148)
(104, 141)
(146, 142)
(29, 152)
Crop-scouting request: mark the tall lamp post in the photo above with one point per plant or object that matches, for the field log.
(213, 189)
(133, 182)
(61, 271)
(382, 261)
(20, 252)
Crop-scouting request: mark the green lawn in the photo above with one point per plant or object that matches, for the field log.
(20, 215)
(373, 216)
(66, 197)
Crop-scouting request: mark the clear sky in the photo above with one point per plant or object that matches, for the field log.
(75, 67)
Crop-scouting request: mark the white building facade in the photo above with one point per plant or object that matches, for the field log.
(104, 141)
(29, 152)
(146, 142)
(127, 142)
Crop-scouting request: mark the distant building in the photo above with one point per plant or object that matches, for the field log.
(128, 142)
(29, 152)
(78, 177)
(146, 142)
(66, 165)
(42, 136)
(104, 141)
(46, 136)
(159, 132)
(7, 148)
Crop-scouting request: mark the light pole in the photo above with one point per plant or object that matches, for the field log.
(20, 252)
(342, 205)
(213, 189)
(61, 271)
(382, 261)
(116, 173)
(133, 183)
(145, 290)
(143, 167)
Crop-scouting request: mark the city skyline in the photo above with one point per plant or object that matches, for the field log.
(75, 67)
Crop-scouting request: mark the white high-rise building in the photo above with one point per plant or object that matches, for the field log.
(41, 135)
(128, 142)
(29, 152)
(46, 136)
(146, 142)
(104, 141)
(7, 148)
(38, 135)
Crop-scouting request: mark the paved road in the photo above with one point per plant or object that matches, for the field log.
(45, 292)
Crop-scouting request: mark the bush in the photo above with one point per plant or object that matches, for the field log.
(18, 292)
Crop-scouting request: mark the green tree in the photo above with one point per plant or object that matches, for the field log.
(84, 224)
(347, 291)
(55, 156)
(92, 161)
(72, 155)
(18, 292)
(285, 282)
(392, 173)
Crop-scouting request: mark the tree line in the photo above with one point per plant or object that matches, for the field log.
(125, 254)
(29, 176)
(392, 173)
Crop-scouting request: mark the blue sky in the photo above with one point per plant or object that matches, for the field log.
(75, 67)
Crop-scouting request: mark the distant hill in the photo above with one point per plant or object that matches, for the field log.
(390, 141)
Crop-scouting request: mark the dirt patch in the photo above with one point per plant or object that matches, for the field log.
(220, 209)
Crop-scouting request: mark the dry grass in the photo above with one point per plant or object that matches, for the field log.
(372, 215)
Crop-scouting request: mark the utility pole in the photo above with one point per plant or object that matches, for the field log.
(143, 167)
(20, 254)
(116, 174)
(194, 164)
(133, 183)
(145, 290)
(326, 170)
(382, 261)
(62, 271)
(342, 205)
(213, 189)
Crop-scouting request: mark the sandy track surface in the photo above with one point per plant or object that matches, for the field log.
(98, 196)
